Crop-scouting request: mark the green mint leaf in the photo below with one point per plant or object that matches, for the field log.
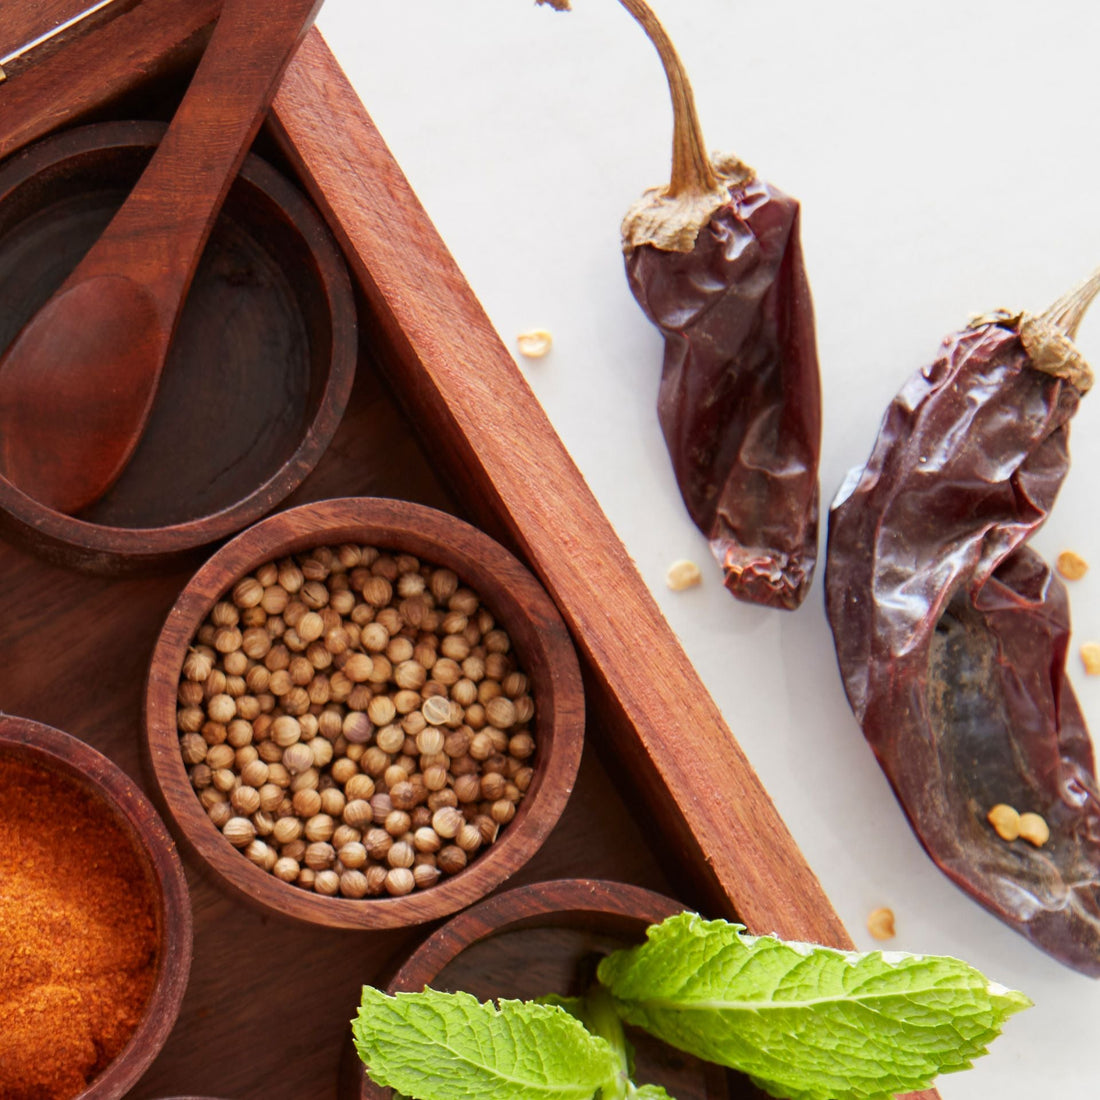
(450, 1046)
(575, 1006)
(808, 1023)
(648, 1092)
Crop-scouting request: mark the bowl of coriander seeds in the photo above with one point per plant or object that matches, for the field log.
(364, 713)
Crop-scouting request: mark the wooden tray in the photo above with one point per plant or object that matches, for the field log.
(439, 414)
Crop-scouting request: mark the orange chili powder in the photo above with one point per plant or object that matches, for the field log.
(78, 934)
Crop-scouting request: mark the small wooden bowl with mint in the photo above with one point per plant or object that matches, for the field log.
(587, 988)
(364, 713)
(95, 920)
(546, 938)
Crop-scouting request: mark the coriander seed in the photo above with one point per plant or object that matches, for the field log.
(245, 800)
(451, 859)
(399, 881)
(306, 803)
(286, 869)
(447, 821)
(353, 884)
(298, 758)
(320, 855)
(425, 875)
(319, 827)
(352, 855)
(239, 831)
(358, 813)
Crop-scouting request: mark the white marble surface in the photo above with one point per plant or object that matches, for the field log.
(947, 157)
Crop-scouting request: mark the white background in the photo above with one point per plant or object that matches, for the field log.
(947, 156)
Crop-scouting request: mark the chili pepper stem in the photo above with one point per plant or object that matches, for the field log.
(1068, 311)
(670, 218)
(1048, 337)
(692, 173)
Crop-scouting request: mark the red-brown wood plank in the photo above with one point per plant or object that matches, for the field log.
(118, 51)
(505, 460)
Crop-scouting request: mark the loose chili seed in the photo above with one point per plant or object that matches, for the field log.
(534, 344)
(880, 923)
(1071, 566)
(682, 575)
(1005, 820)
(1034, 829)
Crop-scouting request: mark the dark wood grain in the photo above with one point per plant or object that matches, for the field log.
(664, 796)
(258, 374)
(91, 772)
(72, 78)
(24, 24)
(542, 646)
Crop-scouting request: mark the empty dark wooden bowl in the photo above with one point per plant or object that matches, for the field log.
(518, 603)
(543, 938)
(80, 765)
(258, 375)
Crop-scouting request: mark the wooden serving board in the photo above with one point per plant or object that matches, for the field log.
(440, 414)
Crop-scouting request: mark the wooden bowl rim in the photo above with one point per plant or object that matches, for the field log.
(103, 779)
(505, 585)
(554, 902)
(145, 544)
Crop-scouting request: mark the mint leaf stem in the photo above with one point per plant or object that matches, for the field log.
(603, 1020)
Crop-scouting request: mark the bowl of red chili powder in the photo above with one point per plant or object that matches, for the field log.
(95, 920)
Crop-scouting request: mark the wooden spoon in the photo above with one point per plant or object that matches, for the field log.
(77, 384)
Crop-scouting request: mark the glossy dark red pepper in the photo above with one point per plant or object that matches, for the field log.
(715, 261)
(739, 400)
(951, 633)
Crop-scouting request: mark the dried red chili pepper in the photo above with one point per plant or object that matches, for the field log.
(951, 633)
(715, 261)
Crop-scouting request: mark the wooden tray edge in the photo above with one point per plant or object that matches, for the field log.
(464, 389)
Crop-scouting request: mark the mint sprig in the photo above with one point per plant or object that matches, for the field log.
(805, 1022)
(808, 1023)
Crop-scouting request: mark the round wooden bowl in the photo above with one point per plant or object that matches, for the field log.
(258, 376)
(107, 784)
(518, 603)
(543, 938)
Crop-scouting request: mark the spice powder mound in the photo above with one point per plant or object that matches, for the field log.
(78, 935)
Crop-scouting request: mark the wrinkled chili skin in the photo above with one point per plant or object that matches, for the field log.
(951, 634)
(740, 394)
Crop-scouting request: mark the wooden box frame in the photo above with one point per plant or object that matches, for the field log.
(665, 752)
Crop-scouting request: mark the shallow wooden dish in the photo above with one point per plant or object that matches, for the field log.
(542, 939)
(517, 602)
(106, 783)
(259, 373)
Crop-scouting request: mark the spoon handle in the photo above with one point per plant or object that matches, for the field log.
(159, 232)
